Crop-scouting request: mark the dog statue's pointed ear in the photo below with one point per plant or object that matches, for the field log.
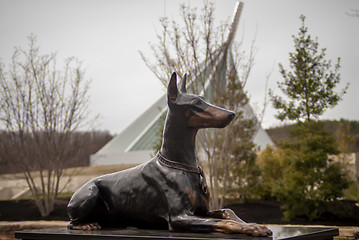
(183, 86)
(172, 91)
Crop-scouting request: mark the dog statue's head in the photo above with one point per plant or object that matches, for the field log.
(198, 112)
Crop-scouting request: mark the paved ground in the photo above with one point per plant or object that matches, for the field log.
(7, 229)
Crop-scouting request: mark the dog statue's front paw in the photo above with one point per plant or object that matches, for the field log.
(256, 230)
(230, 226)
(84, 226)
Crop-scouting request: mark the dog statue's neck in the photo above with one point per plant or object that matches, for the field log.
(178, 143)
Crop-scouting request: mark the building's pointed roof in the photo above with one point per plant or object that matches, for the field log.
(141, 135)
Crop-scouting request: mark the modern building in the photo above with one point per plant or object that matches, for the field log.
(136, 143)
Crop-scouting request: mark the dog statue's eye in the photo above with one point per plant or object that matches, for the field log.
(197, 102)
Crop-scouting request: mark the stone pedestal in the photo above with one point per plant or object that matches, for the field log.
(279, 232)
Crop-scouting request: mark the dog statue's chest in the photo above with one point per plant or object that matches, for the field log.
(198, 194)
(184, 188)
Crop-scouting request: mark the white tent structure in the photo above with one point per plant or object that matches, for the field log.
(135, 144)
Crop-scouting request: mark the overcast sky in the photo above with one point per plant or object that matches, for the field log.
(107, 35)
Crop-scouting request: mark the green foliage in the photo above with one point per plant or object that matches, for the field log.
(311, 82)
(271, 161)
(309, 179)
(301, 173)
(346, 143)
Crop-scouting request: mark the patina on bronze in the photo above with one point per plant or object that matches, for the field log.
(170, 190)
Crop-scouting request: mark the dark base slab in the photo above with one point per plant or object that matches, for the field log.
(279, 232)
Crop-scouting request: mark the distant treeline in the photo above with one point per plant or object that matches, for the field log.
(282, 132)
(93, 141)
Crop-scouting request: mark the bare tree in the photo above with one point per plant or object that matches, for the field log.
(41, 108)
(190, 48)
(230, 152)
(201, 48)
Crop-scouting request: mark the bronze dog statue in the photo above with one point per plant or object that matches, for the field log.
(167, 192)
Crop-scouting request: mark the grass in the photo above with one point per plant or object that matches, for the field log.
(70, 172)
(78, 171)
(98, 170)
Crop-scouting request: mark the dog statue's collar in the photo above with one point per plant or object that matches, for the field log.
(176, 165)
